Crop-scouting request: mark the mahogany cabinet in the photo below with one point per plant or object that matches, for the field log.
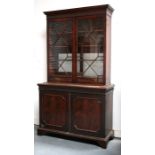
(76, 101)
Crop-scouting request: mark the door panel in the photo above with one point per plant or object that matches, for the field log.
(54, 111)
(86, 114)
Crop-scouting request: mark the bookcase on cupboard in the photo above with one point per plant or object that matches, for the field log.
(77, 99)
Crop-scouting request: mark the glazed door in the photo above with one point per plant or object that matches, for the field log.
(54, 111)
(90, 49)
(60, 38)
(87, 114)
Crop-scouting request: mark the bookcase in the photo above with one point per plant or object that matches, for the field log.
(76, 100)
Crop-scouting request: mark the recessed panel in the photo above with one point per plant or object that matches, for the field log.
(86, 114)
(54, 110)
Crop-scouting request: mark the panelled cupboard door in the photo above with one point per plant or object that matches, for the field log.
(54, 111)
(87, 114)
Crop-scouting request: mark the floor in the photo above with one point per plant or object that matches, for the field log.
(47, 145)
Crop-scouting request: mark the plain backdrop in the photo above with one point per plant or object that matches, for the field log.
(22, 66)
(40, 51)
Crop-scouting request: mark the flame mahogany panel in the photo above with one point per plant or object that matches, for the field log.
(86, 114)
(54, 110)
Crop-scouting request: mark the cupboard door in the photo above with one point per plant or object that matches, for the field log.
(60, 49)
(90, 54)
(54, 111)
(87, 114)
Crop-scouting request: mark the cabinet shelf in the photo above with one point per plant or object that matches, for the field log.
(80, 45)
(79, 60)
(97, 30)
(58, 33)
(61, 46)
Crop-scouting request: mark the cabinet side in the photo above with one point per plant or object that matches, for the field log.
(107, 62)
(108, 112)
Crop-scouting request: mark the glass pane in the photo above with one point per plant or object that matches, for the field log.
(90, 48)
(60, 43)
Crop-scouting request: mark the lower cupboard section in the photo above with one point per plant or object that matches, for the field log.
(76, 114)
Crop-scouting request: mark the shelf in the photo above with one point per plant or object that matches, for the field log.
(90, 45)
(97, 30)
(83, 31)
(60, 46)
(65, 60)
(89, 60)
(54, 33)
(80, 60)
